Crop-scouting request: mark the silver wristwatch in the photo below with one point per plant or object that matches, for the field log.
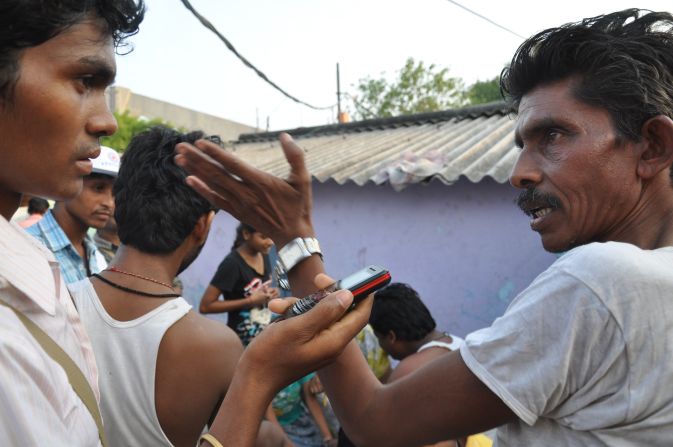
(296, 251)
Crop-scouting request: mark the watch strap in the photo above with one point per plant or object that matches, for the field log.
(296, 251)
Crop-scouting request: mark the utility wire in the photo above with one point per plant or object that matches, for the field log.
(487, 19)
(205, 22)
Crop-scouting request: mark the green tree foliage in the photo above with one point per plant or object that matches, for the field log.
(418, 88)
(483, 91)
(128, 126)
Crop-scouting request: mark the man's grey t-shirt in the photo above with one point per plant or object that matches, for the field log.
(584, 355)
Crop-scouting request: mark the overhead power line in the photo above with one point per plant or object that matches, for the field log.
(487, 19)
(205, 22)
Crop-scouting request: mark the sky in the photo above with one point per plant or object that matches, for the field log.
(298, 43)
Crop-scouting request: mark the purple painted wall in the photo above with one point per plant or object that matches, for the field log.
(466, 248)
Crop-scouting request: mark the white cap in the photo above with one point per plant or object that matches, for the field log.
(107, 162)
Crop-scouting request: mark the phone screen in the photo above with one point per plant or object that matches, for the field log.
(356, 278)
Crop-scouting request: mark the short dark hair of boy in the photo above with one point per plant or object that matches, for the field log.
(155, 209)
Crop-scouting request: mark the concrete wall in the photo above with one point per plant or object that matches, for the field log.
(123, 99)
(466, 248)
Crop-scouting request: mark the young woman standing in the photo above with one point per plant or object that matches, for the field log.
(243, 280)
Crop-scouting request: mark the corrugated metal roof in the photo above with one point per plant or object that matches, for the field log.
(475, 142)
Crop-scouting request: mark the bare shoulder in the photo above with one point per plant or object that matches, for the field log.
(202, 336)
(415, 361)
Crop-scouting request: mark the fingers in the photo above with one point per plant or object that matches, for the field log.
(215, 199)
(281, 305)
(213, 177)
(231, 163)
(294, 156)
(328, 311)
(322, 281)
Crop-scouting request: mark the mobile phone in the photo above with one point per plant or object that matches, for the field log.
(361, 284)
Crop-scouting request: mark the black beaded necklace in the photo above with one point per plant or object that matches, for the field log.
(134, 291)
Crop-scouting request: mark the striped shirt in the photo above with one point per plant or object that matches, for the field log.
(38, 403)
(73, 268)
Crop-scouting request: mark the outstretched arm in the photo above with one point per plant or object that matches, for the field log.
(448, 399)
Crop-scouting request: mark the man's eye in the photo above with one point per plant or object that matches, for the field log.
(87, 81)
(552, 135)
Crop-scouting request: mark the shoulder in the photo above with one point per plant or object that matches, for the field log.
(598, 264)
(206, 337)
(414, 361)
(614, 253)
(231, 261)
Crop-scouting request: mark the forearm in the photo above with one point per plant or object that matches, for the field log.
(302, 275)
(350, 386)
(446, 399)
(239, 417)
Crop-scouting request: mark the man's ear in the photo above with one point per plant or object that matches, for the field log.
(202, 227)
(657, 155)
(391, 336)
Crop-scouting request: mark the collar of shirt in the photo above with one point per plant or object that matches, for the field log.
(54, 237)
(39, 281)
(72, 265)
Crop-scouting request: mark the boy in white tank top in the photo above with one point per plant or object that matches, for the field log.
(164, 369)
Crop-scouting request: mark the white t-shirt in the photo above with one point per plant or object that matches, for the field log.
(584, 355)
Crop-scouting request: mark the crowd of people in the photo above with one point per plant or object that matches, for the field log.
(98, 346)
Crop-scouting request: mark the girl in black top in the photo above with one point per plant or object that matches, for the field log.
(243, 280)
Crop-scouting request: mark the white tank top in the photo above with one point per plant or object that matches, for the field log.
(126, 354)
(454, 345)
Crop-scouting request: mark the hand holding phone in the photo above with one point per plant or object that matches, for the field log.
(361, 284)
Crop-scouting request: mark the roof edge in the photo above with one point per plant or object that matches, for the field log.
(488, 109)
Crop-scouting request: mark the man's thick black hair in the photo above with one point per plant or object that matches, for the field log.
(29, 23)
(154, 208)
(622, 62)
(398, 308)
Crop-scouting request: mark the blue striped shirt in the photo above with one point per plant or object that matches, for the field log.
(50, 233)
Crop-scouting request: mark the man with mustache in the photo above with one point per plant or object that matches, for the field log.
(164, 368)
(583, 355)
(64, 230)
(56, 60)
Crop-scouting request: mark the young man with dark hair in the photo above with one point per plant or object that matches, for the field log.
(56, 60)
(406, 330)
(37, 207)
(64, 230)
(171, 365)
(583, 355)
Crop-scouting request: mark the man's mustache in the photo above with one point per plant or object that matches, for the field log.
(531, 199)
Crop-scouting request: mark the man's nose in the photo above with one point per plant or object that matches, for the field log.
(526, 172)
(101, 122)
